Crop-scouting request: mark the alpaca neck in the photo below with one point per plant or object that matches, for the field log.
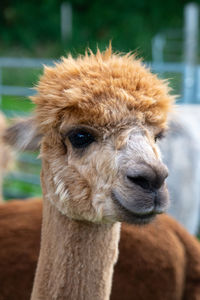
(76, 258)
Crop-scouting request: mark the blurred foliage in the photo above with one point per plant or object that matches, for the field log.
(33, 27)
(21, 76)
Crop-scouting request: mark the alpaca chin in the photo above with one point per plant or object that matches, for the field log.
(142, 212)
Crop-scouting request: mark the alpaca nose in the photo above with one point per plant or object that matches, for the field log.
(150, 179)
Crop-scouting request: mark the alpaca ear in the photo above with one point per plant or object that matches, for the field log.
(23, 135)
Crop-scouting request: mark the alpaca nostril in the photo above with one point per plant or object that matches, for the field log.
(141, 181)
(149, 182)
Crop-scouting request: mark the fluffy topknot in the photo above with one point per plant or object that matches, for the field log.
(101, 88)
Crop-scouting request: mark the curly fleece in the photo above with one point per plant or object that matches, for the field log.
(101, 87)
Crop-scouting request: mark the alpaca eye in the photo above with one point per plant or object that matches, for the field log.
(159, 136)
(81, 138)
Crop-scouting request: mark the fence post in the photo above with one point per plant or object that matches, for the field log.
(191, 15)
(158, 43)
(66, 21)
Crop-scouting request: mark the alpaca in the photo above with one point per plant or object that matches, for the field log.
(158, 261)
(5, 153)
(181, 153)
(100, 117)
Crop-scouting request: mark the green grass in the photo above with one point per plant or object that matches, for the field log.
(24, 77)
(13, 187)
(21, 76)
(16, 189)
(17, 103)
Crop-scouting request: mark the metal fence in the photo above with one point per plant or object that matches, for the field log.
(172, 46)
(26, 171)
(23, 181)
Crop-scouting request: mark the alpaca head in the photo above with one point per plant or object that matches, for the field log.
(99, 117)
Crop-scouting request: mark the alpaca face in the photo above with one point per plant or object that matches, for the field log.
(99, 116)
(106, 174)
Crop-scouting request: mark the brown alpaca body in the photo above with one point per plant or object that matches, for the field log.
(20, 231)
(158, 261)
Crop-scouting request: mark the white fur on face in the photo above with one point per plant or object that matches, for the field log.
(84, 182)
(139, 156)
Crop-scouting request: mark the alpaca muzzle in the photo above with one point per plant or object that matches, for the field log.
(143, 194)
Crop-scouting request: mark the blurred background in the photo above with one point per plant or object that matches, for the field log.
(33, 33)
